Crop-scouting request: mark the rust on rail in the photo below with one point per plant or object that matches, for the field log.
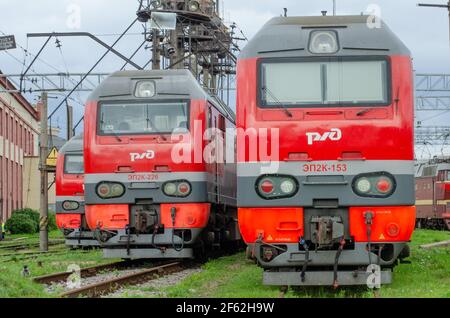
(108, 286)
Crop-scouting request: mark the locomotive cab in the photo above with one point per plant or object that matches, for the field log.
(150, 193)
(333, 97)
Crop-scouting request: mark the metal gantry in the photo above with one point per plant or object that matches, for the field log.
(432, 103)
(53, 82)
(199, 41)
(428, 82)
(433, 135)
(432, 94)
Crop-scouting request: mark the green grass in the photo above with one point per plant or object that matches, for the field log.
(13, 284)
(234, 276)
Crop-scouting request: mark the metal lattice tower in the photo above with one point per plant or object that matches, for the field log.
(432, 94)
(200, 42)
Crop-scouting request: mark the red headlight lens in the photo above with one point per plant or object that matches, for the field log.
(266, 186)
(384, 185)
(103, 190)
(184, 188)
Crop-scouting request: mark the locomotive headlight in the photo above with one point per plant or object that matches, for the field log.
(363, 185)
(170, 189)
(193, 6)
(70, 205)
(109, 190)
(374, 185)
(384, 185)
(184, 188)
(117, 190)
(145, 89)
(104, 190)
(179, 188)
(287, 186)
(272, 187)
(266, 186)
(323, 42)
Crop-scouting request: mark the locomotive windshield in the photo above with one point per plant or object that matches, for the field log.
(324, 82)
(73, 164)
(143, 118)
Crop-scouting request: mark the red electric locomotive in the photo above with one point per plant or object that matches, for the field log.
(329, 188)
(153, 188)
(70, 195)
(433, 194)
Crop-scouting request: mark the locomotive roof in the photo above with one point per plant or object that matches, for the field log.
(170, 84)
(74, 145)
(289, 37)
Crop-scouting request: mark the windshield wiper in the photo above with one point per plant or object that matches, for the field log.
(363, 112)
(277, 101)
(154, 128)
(112, 132)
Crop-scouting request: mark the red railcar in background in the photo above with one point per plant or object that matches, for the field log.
(152, 188)
(433, 194)
(70, 216)
(336, 193)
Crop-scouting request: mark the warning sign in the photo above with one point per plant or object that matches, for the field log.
(382, 237)
(51, 158)
(7, 42)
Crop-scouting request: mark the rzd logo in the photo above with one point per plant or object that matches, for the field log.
(150, 154)
(334, 134)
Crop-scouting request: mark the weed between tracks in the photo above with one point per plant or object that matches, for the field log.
(14, 284)
(234, 276)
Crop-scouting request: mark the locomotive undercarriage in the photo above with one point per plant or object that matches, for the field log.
(81, 237)
(433, 224)
(147, 237)
(327, 254)
(293, 265)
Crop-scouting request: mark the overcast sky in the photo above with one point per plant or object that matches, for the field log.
(424, 31)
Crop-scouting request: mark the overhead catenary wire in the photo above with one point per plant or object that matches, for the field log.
(23, 64)
(93, 67)
(59, 46)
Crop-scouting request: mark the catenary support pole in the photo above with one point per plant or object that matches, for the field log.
(43, 153)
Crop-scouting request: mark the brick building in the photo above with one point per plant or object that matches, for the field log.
(18, 139)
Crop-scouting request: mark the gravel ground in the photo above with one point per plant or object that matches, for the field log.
(152, 288)
(63, 286)
(148, 289)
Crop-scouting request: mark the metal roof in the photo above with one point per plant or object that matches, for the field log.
(74, 145)
(170, 84)
(289, 37)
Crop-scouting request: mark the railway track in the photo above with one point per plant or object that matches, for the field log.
(22, 246)
(30, 255)
(113, 284)
(110, 285)
(84, 273)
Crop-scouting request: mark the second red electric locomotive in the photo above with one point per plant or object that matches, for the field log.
(153, 188)
(70, 216)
